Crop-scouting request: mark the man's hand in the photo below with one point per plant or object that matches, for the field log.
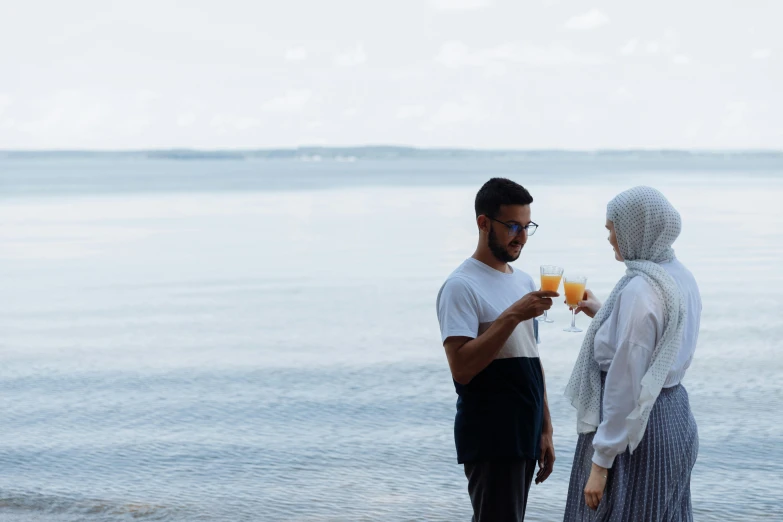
(531, 305)
(546, 460)
(594, 490)
(467, 357)
(589, 304)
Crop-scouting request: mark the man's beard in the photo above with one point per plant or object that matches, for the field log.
(500, 251)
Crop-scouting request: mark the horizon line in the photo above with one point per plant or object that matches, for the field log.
(394, 147)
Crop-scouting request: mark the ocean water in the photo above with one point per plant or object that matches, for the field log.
(228, 340)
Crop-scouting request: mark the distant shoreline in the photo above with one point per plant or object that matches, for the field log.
(384, 153)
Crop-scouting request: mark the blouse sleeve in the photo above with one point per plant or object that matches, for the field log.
(639, 314)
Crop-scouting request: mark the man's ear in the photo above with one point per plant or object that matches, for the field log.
(483, 223)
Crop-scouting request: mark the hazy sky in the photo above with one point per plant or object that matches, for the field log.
(474, 73)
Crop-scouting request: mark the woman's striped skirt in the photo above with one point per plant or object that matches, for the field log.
(653, 484)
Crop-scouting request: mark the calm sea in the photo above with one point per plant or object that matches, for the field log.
(242, 340)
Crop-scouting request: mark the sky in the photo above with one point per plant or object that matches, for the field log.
(233, 74)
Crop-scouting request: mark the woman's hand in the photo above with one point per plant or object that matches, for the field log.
(594, 490)
(589, 304)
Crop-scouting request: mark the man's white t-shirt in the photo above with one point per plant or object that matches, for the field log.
(475, 294)
(500, 412)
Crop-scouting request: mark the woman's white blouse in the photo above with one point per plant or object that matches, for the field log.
(624, 346)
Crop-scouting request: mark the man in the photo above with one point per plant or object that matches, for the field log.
(487, 311)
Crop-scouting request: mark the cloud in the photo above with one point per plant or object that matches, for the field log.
(681, 59)
(221, 122)
(5, 101)
(467, 110)
(70, 113)
(666, 45)
(460, 5)
(296, 54)
(457, 55)
(693, 129)
(292, 101)
(246, 123)
(227, 122)
(630, 47)
(669, 43)
(351, 58)
(761, 54)
(574, 119)
(146, 96)
(735, 120)
(622, 93)
(186, 119)
(590, 20)
(409, 112)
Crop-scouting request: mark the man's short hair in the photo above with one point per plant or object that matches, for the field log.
(497, 192)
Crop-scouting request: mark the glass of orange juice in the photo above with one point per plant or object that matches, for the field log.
(550, 281)
(574, 291)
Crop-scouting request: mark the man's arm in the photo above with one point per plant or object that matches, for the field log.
(547, 425)
(546, 459)
(467, 357)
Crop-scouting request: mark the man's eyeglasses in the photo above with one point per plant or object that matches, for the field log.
(514, 229)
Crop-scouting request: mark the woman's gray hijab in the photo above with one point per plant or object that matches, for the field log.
(646, 225)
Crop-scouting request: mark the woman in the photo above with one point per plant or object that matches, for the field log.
(637, 436)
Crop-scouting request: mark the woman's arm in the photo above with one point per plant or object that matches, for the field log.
(621, 393)
(639, 316)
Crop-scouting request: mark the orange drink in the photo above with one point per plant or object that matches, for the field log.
(574, 292)
(550, 283)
